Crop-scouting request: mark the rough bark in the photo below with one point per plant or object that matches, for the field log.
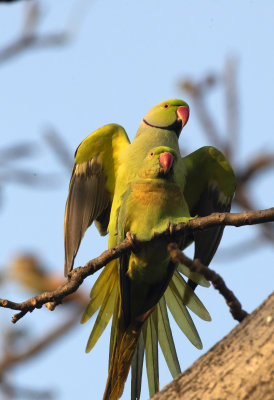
(239, 367)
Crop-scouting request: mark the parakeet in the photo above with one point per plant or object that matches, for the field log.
(143, 188)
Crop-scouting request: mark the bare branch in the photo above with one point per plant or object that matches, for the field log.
(231, 107)
(32, 17)
(256, 165)
(58, 145)
(12, 392)
(228, 81)
(30, 37)
(11, 359)
(77, 276)
(16, 151)
(197, 91)
(244, 200)
(196, 266)
(32, 41)
(75, 279)
(40, 180)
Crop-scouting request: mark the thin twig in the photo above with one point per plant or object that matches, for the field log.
(196, 266)
(77, 276)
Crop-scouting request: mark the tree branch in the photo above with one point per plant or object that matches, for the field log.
(13, 392)
(197, 92)
(238, 367)
(33, 41)
(12, 358)
(196, 266)
(77, 276)
(227, 143)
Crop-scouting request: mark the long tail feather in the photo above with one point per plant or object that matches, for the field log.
(103, 317)
(100, 289)
(152, 364)
(123, 351)
(182, 317)
(137, 369)
(114, 326)
(188, 297)
(165, 338)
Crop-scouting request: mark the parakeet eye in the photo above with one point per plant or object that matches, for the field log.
(151, 154)
(166, 105)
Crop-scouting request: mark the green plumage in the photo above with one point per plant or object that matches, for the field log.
(143, 188)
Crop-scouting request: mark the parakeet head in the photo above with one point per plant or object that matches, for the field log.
(159, 163)
(170, 114)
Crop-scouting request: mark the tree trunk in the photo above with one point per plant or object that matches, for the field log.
(239, 367)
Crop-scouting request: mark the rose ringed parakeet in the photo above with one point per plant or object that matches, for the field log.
(143, 188)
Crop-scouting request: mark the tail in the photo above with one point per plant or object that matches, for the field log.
(124, 348)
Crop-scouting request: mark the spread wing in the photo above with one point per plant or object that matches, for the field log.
(210, 187)
(92, 186)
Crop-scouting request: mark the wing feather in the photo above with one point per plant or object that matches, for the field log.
(92, 186)
(210, 187)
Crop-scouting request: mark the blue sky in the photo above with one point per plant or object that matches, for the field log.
(126, 57)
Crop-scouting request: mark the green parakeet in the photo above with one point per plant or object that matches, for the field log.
(143, 188)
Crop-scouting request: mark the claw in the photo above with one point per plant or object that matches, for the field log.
(171, 229)
(131, 238)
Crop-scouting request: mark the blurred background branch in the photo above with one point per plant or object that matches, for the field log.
(20, 345)
(228, 142)
(25, 151)
(30, 38)
(26, 271)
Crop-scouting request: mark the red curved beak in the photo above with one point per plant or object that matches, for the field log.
(166, 161)
(183, 114)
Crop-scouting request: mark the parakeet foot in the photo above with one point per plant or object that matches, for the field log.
(131, 238)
